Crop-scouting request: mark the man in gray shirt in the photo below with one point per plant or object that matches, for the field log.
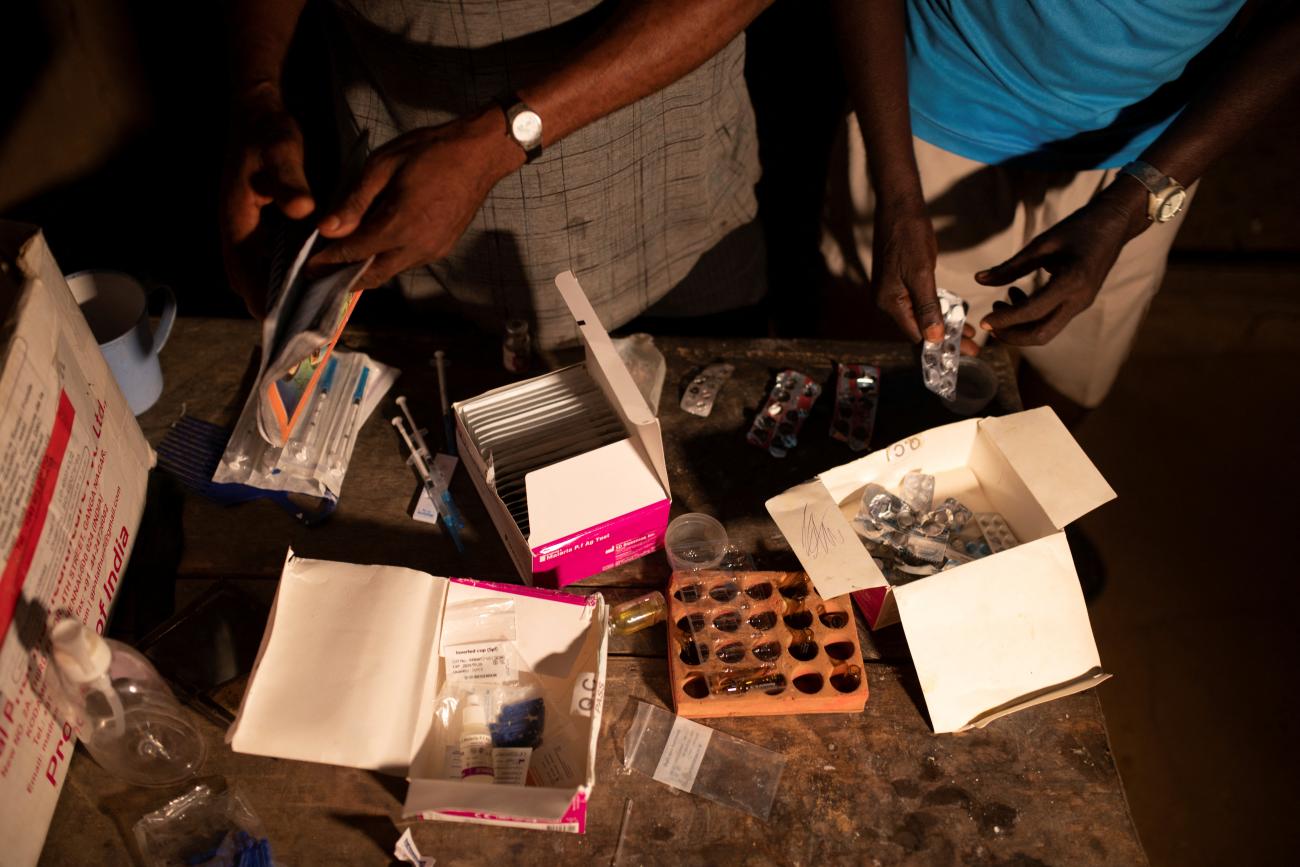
(511, 141)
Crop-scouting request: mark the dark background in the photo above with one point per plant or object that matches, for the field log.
(112, 119)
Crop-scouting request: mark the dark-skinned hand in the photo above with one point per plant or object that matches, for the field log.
(1077, 253)
(416, 196)
(264, 167)
(903, 259)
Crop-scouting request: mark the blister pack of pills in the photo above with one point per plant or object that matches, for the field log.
(939, 360)
(776, 427)
(857, 389)
(761, 643)
(702, 390)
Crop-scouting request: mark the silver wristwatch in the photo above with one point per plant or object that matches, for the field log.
(1165, 196)
(524, 126)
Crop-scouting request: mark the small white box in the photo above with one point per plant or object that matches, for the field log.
(349, 668)
(597, 510)
(997, 634)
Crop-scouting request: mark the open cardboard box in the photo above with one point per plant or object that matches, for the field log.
(601, 508)
(994, 635)
(350, 666)
(74, 466)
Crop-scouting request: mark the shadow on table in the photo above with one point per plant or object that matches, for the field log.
(381, 830)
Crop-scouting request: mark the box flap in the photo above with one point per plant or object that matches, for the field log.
(588, 489)
(824, 540)
(1050, 463)
(999, 634)
(343, 668)
(608, 369)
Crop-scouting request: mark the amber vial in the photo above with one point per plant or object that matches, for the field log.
(637, 614)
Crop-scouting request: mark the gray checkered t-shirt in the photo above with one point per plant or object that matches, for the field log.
(631, 203)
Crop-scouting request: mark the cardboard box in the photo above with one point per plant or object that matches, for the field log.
(595, 511)
(73, 472)
(994, 635)
(350, 666)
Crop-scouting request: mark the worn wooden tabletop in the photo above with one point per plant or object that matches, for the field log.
(1038, 787)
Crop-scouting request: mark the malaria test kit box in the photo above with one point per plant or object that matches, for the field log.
(74, 466)
(352, 662)
(994, 635)
(570, 464)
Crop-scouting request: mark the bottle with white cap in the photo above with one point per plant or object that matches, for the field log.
(125, 713)
(475, 743)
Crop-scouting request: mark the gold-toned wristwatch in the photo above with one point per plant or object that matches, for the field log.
(1165, 196)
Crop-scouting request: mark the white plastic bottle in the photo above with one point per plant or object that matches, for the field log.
(475, 743)
(126, 715)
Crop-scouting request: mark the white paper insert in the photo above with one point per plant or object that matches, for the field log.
(680, 761)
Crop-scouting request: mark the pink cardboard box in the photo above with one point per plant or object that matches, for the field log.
(599, 509)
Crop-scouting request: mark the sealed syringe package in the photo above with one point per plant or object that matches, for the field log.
(315, 459)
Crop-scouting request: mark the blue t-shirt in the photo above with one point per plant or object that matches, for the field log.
(1071, 84)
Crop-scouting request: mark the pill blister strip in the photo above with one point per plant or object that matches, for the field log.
(939, 360)
(996, 531)
(761, 643)
(776, 427)
(702, 390)
(538, 423)
(857, 390)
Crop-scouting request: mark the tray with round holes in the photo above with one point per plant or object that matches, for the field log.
(761, 643)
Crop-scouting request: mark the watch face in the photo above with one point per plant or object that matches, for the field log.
(1171, 205)
(527, 129)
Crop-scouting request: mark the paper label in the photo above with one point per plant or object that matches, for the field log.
(407, 851)
(451, 761)
(680, 762)
(425, 511)
(510, 765)
(487, 662)
(584, 695)
(550, 767)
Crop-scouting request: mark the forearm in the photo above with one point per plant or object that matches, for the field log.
(260, 34)
(872, 45)
(645, 46)
(1254, 80)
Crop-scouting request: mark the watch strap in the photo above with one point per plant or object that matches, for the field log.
(1159, 186)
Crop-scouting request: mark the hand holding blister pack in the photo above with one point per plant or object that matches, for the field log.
(939, 360)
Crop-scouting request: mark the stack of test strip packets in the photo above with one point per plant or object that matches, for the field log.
(909, 537)
(538, 423)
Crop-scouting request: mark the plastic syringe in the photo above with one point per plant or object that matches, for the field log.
(436, 484)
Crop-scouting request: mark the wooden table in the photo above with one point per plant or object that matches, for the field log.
(1038, 787)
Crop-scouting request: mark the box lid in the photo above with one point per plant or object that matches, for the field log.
(999, 634)
(607, 366)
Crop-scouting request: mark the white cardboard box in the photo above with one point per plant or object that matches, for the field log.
(600, 509)
(73, 471)
(994, 635)
(349, 668)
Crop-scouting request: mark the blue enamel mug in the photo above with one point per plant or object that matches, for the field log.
(116, 307)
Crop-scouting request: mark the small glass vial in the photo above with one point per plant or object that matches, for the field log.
(637, 614)
(517, 348)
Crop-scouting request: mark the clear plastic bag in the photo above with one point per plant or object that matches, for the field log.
(204, 827)
(695, 758)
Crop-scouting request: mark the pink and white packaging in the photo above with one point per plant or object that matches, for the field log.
(74, 467)
(601, 508)
(994, 635)
(350, 666)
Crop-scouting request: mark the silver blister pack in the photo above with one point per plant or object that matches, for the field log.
(918, 491)
(704, 387)
(939, 360)
(997, 532)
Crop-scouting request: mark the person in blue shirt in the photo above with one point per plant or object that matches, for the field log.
(1035, 157)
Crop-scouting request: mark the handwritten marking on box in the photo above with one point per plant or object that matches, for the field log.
(680, 762)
